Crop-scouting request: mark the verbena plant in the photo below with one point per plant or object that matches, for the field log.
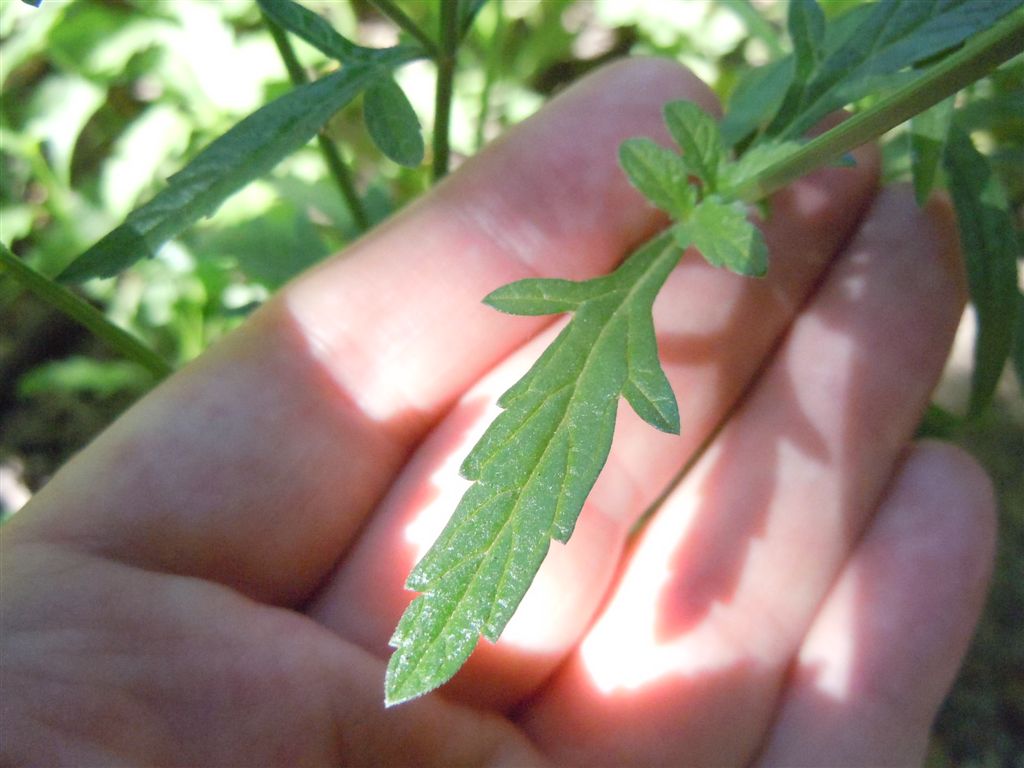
(532, 470)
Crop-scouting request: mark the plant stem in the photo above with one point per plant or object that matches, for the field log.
(979, 56)
(397, 15)
(445, 78)
(60, 298)
(332, 157)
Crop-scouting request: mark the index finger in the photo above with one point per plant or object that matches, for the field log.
(256, 465)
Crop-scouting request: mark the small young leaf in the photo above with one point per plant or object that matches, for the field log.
(696, 133)
(392, 123)
(248, 150)
(659, 173)
(990, 249)
(927, 139)
(721, 232)
(535, 465)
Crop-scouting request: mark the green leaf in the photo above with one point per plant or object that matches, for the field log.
(990, 249)
(468, 9)
(660, 174)
(318, 32)
(247, 151)
(696, 133)
(806, 24)
(756, 99)
(392, 123)
(927, 139)
(721, 232)
(536, 464)
(894, 35)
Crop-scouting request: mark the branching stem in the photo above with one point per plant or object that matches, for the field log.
(397, 15)
(978, 57)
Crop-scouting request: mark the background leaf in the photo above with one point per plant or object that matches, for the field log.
(928, 132)
(990, 249)
(392, 123)
(245, 152)
(894, 35)
(318, 32)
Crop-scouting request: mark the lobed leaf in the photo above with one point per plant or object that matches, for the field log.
(660, 174)
(535, 465)
(248, 150)
(722, 233)
(991, 249)
(753, 162)
(696, 133)
(392, 123)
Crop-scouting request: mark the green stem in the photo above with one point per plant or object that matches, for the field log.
(332, 157)
(445, 79)
(81, 311)
(397, 15)
(979, 56)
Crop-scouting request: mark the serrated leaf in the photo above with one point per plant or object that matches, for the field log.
(895, 34)
(753, 162)
(696, 133)
(990, 248)
(721, 232)
(660, 174)
(928, 132)
(318, 32)
(535, 465)
(392, 123)
(247, 151)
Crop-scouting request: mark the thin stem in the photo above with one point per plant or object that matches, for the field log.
(490, 73)
(332, 157)
(445, 80)
(397, 15)
(60, 298)
(977, 58)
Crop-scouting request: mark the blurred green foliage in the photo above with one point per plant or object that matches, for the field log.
(102, 100)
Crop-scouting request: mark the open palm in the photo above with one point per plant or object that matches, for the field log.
(215, 579)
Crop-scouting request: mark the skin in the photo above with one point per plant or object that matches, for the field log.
(214, 580)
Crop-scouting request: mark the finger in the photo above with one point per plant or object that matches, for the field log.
(886, 644)
(722, 585)
(716, 329)
(111, 665)
(256, 465)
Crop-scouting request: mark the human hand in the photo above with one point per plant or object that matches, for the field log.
(215, 579)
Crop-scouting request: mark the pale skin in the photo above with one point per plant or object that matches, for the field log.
(214, 580)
